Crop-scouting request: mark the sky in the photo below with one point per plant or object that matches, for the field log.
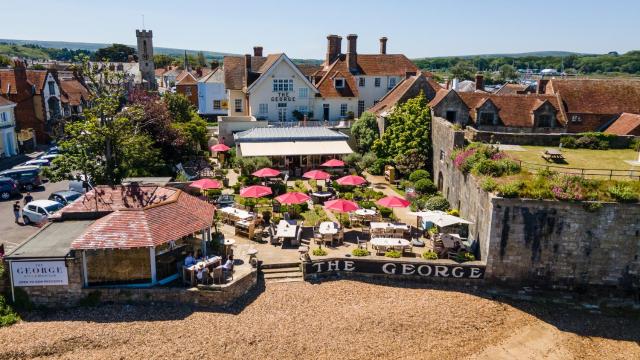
(416, 28)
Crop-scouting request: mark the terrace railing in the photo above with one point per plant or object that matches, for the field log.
(340, 124)
(610, 174)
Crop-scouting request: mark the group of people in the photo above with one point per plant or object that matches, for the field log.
(202, 271)
(16, 206)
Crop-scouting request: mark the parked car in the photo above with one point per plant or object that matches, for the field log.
(53, 150)
(8, 188)
(39, 211)
(49, 157)
(65, 197)
(39, 162)
(27, 177)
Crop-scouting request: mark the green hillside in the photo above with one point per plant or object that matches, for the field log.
(12, 50)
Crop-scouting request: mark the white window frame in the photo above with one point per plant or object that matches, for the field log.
(343, 109)
(282, 85)
(303, 93)
(335, 83)
(362, 82)
(263, 109)
(392, 82)
(377, 82)
(237, 105)
(282, 111)
(219, 103)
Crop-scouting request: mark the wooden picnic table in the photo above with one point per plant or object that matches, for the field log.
(553, 155)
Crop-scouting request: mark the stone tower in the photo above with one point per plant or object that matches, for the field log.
(145, 57)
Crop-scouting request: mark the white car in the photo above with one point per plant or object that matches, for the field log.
(39, 162)
(38, 211)
(49, 157)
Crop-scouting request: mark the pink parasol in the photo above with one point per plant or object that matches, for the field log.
(393, 202)
(266, 173)
(352, 180)
(333, 163)
(220, 147)
(341, 205)
(255, 191)
(316, 175)
(292, 198)
(206, 184)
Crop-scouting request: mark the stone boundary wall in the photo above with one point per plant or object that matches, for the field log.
(535, 139)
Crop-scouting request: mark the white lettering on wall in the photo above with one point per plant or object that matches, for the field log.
(441, 271)
(318, 265)
(457, 272)
(389, 268)
(475, 273)
(408, 269)
(349, 266)
(333, 265)
(428, 273)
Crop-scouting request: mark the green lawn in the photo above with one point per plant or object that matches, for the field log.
(581, 158)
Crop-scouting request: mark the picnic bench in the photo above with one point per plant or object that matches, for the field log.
(553, 155)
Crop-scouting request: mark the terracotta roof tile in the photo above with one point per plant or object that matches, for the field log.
(386, 64)
(512, 89)
(339, 69)
(73, 92)
(626, 124)
(186, 79)
(37, 79)
(234, 70)
(405, 90)
(589, 96)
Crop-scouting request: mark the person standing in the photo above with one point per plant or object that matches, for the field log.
(28, 198)
(16, 211)
(1, 251)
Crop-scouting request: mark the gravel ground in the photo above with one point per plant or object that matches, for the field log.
(335, 319)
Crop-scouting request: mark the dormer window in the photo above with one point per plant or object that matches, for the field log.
(487, 118)
(339, 83)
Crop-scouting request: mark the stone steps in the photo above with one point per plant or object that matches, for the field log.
(282, 274)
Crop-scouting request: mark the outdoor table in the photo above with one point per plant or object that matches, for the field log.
(328, 228)
(553, 154)
(386, 225)
(236, 214)
(227, 243)
(322, 196)
(450, 241)
(191, 270)
(286, 229)
(365, 212)
(390, 243)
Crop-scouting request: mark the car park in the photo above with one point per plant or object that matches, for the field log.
(8, 188)
(53, 150)
(49, 157)
(39, 162)
(26, 177)
(64, 197)
(39, 211)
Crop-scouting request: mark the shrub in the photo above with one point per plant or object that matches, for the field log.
(353, 160)
(92, 299)
(635, 144)
(623, 193)
(488, 184)
(509, 190)
(592, 206)
(360, 252)
(419, 175)
(496, 168)
(385, 212)
(7, 315)
(425, 186)
(405, 184)
(429, 255)
(367, 160)
(393, 254)
(319, 252)
(437, 203)
(465, 256)
(377, 168)
(454, 212)
(568, 142)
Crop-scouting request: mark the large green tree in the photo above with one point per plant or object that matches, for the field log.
(408, 128)
(365, 131)
(186, 120)
(508, 72)
(463, 70)
(115, 53)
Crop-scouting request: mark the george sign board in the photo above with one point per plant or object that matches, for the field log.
(396, 268)
(39, 273)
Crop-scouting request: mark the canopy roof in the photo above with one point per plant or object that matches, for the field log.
(440, 218)
(290, 148)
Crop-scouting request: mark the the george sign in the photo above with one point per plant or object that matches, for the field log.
(396, 268)
(283, 97)
(39, 273)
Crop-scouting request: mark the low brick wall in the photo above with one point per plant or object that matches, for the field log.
(534, 139)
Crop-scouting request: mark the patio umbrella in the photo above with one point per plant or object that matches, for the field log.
(341, 206)
(393, 202)
(333, 163)
(292, 198)
(255, 191)
(206, 184)
(220, 148)
(266, 173)
(316, 175)
(353, 180)
(440, 218)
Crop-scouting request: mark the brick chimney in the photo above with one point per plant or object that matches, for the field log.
(383, 45)
(352, 54)
(542, 86)
(480, 82)
(257, 51)
(334, 48)
(20, 74)
(214, 64)
(247, 69)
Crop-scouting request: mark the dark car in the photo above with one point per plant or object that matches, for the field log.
(8, 188)
(27, 177)
(64, 197)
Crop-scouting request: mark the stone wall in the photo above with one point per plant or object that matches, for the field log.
(536, 139)
(58, 295)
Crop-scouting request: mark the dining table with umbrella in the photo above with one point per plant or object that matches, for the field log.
(206, 184)
(351, 180)
(255, 191)
(266, 173)
(341, 206)
(333, 163)
(219, 148)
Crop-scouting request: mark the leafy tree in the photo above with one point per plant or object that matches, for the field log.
(115, 53)
(200, 60)
(508, 72)
(419, 175)
(408, 128)
(249, 165)
(410, 161)
(162, 60)
(365, 131)
(463, 70)
(179, 106)
(4, 61)
(186, 120)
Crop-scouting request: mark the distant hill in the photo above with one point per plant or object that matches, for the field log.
(95, 46)
(511, 55)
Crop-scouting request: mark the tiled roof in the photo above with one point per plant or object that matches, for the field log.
(589, 96)
(234, 70)
(513, 110)
(215, 76)
(405, 90)
(512, 89)
(309, 69)
(37, 79)
(626, 124)
(289, 134)
(73, 92)
(152, 216)
(5, 102)
(34, 77)
(386, 64)
(186, 79)
(339, 69)
(440, 94)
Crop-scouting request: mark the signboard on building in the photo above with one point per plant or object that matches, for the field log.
(39, 273)
(419, 269)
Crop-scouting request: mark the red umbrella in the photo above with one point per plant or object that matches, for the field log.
(206, 184)
(333, 163)
(255, 191)
(266, 173)
(220, 147)
(352, 180)
(341, 205)
(316, 175)
(292, 198)
(393, 202)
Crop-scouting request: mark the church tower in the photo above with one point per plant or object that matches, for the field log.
(145, 57)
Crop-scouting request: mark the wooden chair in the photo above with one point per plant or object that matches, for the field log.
(340, 236)
(362, 244)
(380, 250)
(327, 238)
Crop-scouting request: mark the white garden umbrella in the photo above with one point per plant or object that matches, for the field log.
(439, 218)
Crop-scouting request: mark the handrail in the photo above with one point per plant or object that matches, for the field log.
(583, 172)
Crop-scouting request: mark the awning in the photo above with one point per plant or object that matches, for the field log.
(440, 218)
(289, 148)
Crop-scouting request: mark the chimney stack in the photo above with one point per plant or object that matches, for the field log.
(247, 68)
(383, 45)
(542, 86)
(352, 54)
(480, 82)
(257, 51)
(334, 48)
